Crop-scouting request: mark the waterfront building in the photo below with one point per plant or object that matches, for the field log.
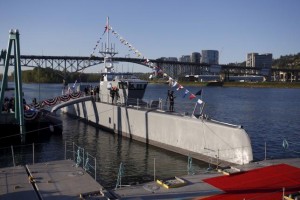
(185, 58)
(172, 59)
(169, 59)
(210, 57)
(259, 60)
(196, 57)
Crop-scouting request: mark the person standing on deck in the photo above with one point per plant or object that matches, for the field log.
(113, 94)
(168, 97)
(171, 98)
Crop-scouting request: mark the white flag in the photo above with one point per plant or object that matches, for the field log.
(199, 101)
(174, 84)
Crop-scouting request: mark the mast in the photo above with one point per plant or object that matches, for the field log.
(107, 34)
(107, 52)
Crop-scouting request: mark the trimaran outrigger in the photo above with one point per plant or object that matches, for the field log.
(199, 137)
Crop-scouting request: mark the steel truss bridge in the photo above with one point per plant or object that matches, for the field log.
(66, 64)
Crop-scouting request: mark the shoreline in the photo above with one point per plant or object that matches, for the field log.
(295, 85)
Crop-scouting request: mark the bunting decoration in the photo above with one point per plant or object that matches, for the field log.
(199, 92)
(199, 101)
(157, 70)
(64, 98)
(133, 49)
(54, 101)
(96, 45)
(192, 96)
(30, 115)
(179, 87)
(174, 84)
(185, 93)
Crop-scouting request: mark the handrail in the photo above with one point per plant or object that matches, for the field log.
(82, 159)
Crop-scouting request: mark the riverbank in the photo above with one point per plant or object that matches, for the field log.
(239, 84)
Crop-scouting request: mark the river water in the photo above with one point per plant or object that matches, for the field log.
(269, 115)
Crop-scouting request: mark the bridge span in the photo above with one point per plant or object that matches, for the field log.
(175, 69)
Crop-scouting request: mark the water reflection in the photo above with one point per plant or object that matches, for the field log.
(137, 157)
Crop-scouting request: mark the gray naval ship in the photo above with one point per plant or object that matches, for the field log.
(120, 108)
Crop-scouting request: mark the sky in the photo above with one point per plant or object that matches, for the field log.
(156, 28)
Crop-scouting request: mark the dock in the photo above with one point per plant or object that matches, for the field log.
(52, 180)
(63, 179)
(198, 186)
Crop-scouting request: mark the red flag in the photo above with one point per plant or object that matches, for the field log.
(192, 96)
(106, 28)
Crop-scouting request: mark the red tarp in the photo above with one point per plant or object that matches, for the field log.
(263, 183)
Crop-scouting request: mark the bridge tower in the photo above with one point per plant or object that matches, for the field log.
(14, 43)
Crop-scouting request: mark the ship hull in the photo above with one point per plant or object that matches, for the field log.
(203, 139)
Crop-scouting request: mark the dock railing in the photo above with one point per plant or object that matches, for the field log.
(25, 154)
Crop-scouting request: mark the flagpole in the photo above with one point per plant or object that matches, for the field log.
(107, 29)
(201, 93)
(194, 108)
(201, 111)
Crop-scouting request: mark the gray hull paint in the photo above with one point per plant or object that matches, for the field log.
(200, 138)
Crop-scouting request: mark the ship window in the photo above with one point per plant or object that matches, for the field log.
(131, 86)
(137, 86)
(140, 86)
(109, 77)
(122, 85)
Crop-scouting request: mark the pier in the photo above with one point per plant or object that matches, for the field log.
(52, 180)
(263, 180)
(63, 179)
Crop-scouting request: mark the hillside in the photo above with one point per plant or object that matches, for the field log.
(288, 61)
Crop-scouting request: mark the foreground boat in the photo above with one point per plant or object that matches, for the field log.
(119, 107)
(20, 122)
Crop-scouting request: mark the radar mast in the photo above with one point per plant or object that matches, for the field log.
(108, 51)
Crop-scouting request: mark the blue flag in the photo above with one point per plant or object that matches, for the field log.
(185, 93)
(199, 92)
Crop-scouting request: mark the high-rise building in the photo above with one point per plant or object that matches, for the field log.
(259, 60)
(196, 57)
(210, 57)
(185, 58)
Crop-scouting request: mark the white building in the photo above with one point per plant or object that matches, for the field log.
(259, 60)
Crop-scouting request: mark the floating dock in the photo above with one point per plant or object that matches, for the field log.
(265, 180)
(268, 179)
(51, 180)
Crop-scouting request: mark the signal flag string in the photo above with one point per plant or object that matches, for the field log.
(156, 69)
